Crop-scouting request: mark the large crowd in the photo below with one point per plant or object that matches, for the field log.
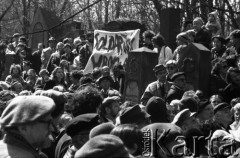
(50, 108)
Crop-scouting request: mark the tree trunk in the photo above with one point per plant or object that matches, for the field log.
(231, 12)
(106, 11)
(118, 9)
(158, 6)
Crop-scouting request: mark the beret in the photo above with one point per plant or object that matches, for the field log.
(183, 116)
(26, 109)
(159, 67)
(103, 146)
(132, 115)
(59, 99)
(104, 128)
(176, 75)
(221, 106)
(82, 123)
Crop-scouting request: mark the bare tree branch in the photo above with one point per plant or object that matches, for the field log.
(5, 11)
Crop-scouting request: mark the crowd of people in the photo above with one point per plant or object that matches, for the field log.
(50, 108)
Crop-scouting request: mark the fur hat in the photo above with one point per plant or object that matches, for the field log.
(26, 109)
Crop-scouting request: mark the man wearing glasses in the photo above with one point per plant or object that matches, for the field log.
(176, 91)
(27, 124)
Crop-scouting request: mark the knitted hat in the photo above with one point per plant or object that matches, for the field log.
(103, 146)
(104, 128)
(26, 109)
(82, 123)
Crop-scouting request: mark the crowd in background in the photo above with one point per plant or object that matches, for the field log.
(50, 108)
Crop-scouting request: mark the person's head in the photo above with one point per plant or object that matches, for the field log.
(222, 114)
(134, 115)
(110, 108)
(215, 99)
(52, 42)
(205, 110)
(106, 145)
(186, 120)
(90, 37)
(86, 80)
(16, 87)
(192, 94)
(105, 71)
(212, 17)
(79, 128)
(75, 76)
(160, 72)
(197, 24)
(173, 108)
(59, 47)
(104, 82)
(86, 100)
(187, 25)
(58, 74)
(236, 112)
(103, 128)
(3, 47)
(189, 103)
(59, 100)
(97, 72)
(156, 107)
(31, 74)
(234, 101)
(67, 48)
(16, 37)
(220, 68)
(40, 47)
(44, 74)
(179, 79)
(158, 41)
(191, 35)
(26, 65)
(166, 135)
(182, 39)
(147, 36)
(218, 42)
(30, 117)
(131, 136)
(171, 66)
(22, 39)
(118, 70)
(233, 76)
(235, 38)
(15, 70)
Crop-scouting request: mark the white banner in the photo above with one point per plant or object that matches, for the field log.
(111, 47)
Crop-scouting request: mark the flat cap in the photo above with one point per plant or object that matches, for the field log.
(189, 103)
(82, 123)
(26, 109)
(177, 74)
(221, 106)
(182, 116)
(159, 67)
(103, 146)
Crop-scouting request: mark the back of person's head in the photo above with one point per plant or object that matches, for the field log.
(159, 40)
(131, 136)
(103, 146)
(76, 74)
(86, 80)
(148, 34)
(87, 100)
